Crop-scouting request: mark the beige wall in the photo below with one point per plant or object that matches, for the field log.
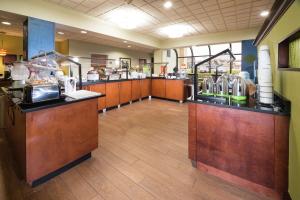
(213, 38)
(288, 84)
(85, 49)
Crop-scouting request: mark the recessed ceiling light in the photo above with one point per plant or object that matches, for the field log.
(264, 13)
(125, 41)
(60, 33)
(176, 30)
(128, 46)
(168, 4)
(128, 17)
(6, 23)
(83, 32)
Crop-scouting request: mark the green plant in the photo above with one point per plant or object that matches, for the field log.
(250, 58)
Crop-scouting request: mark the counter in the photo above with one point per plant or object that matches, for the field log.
(245, 144)
(280, 106)
(48, 138)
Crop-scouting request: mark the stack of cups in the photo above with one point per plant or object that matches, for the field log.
(265, 76)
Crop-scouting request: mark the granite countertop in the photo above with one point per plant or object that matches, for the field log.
(85, 83)
(15, 97)
(280, 106)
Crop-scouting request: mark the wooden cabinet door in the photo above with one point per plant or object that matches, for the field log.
(175, 89)
(100, 88)
(236, 141)
(158, 88)
(136, 92)
(145, 88)
(112, 94)
(86, 87)
(125, 92)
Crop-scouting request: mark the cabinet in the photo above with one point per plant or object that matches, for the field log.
(112, 94)
(158, 88)
(100, 88)
(145, 87)
(175, 89)
(125, 92)
(136, 91)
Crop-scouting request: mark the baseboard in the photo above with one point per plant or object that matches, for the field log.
(60, 170)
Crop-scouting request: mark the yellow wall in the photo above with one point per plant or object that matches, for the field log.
(62, 47)
(13, 45)
(288, 84)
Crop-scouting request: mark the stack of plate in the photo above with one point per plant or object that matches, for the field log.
(265, 76)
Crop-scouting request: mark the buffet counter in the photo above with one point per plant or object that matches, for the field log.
(124, 91)
(50, 137)
(242, 142)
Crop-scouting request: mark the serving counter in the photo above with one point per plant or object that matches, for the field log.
(244, 143)
(48, 138)
(120, 92)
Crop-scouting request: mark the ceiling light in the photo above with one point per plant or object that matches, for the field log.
(176, 30)
(125, 41)
(264, 13)
(60, 33)
(128, 17)
(168, 4)
(6, 23)
(83, 32)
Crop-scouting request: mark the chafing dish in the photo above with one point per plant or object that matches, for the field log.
(41, 93)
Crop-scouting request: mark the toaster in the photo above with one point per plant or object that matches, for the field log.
(40, 93)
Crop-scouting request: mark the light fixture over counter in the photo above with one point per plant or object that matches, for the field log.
(128, 17)
(176, 30)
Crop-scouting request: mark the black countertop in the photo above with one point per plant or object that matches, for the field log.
(15, 97)
(85, 83)
(280, 106)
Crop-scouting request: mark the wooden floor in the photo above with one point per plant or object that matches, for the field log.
(143, 156)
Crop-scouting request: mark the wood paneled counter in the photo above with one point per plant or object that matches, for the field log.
(173, 89)
(243, 146)
(47, 139)
(119, 92)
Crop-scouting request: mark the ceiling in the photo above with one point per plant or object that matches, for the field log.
(205, 16)
(16, 29)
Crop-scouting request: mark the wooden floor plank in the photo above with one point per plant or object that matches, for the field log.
(142, 155)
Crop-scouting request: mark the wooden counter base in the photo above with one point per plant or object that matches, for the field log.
(46, 140)
(61, 170)
(238, 181)
(249, 149)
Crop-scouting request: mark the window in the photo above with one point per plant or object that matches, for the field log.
(201, 53)
(205, 51)
(217, 48)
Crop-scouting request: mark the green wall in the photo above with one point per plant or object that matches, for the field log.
(288, 84)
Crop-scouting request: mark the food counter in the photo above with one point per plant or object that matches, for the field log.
(47, 138)
(242, 142)
(119, 92)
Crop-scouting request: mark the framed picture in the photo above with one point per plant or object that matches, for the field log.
(125, 63)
